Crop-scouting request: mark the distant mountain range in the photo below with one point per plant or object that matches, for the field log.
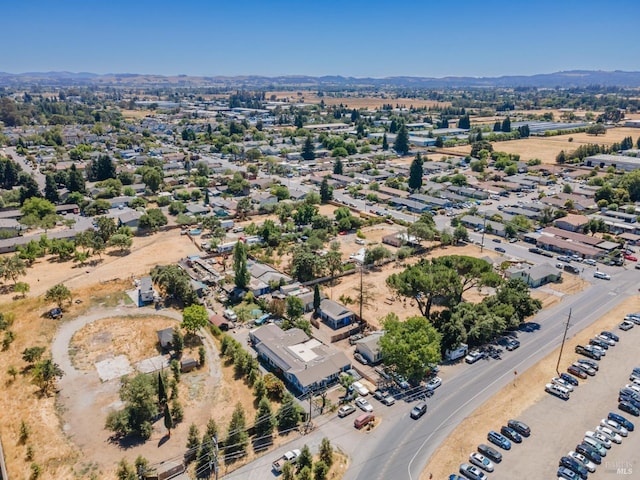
(573, 78)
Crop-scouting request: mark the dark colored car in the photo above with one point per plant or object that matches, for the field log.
(500, 249)
(512, 344)
(568, 378)
(627, 392)
(610, 335)
(573, 464)
(419, 410)
(578, 372)
(499, 440)
(587, 353)
(589, 452)
(520, 427)
(490, 452)
(630, 400)
(511, 434)
(55, 313)
(629, 408)
(621, 420)
(599, 343)
(566, 474)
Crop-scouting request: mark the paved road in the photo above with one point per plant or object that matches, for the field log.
(399, 447)
(26, 166)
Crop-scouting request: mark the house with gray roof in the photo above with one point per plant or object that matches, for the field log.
(369, 347)
(335, 314)
(537, 275)
(305, 363)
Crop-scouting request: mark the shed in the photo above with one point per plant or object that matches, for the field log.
(188, 364)
(219, 322)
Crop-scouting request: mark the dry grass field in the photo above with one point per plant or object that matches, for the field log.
(354, 102)
(547, 148)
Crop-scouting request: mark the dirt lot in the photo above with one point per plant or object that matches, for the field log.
(547, 148)
(519, 399)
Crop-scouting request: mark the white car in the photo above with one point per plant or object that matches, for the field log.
(434, 383)
(599, 349)
(364, 405)
(615, 426)
(600, 438)
(588, 464)
(593, 263)
(606, 340)
(602, 275)
(633, 386)
(481, 461)
(610, 434)
(361, 389)
(473, 356)
(561, 382)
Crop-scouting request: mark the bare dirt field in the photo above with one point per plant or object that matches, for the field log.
(547, 148)
(514, 399)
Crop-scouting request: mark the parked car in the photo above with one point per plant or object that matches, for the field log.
(577, 371)
(588, 464)
(614, 426)
(606, 340)
(434, 383)
(512, 344)
(418, 410)
(633, 386)
(499, 440)
(610, 335)
(590, 261)
(597, 446)
(582, 350)
(490, 452)
(597, 342)
(511, 434)
(500, 250)
(345, 410)
(590, 363)
(472, 472)
(481, 461)
(354, 338)
(575, 466)
(562, 383)
(586, 368)
(473, 356)
(598, 437)
(589, 452)
(557, 391)
(609, 434)
(629, 408)
(364, 405)
(621, 420)
(626, 325)
(55, 313)
(520, 427)
(566, 474)
(601, 275)
(632, 318)
(568, 378)
(631, 258)
(358, 356)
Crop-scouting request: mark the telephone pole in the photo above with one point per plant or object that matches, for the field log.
(213, 462)
(564, 337)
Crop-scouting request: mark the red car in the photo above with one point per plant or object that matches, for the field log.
(631, 258)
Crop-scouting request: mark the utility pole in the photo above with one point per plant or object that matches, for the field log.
(566, 328)
(213, 462)
(484, 228)
(361, 286)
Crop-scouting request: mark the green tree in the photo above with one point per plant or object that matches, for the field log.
(121, 241)
(194, 317)
(237, 437)
(152, 220)
(415, 173)
(45, 374)
(125, 471)
(265, 422)
(326, 452)
(305, 459)
(320, 470)
(168, 419)
(51, 190)
(410, 346)
(162, 390)
(22, 288)
(316, 299)
(32, 354)
(338, 168)
(102, 168)
(472, 272)
(289, 413)
(152, 179)
(295, 307)
(58, 294)
(385, 142)
(401, 144)
(506, 125)
(460, 234)
(241, 272)
(12, 268)
(308, 151)
(193, 443)
(139, 396)
(326, 192)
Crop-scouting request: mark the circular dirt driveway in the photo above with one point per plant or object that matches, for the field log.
(85, 400)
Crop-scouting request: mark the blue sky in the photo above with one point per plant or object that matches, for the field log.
(374, 38)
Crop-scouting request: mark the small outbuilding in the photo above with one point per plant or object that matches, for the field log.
(165, 338)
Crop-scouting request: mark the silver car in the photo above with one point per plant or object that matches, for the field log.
(481, 461)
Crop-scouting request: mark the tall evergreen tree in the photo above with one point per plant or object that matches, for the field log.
(75, 182)
(385, 142)
(308, 151)
(506, 125)
(326, 192)
(240, 270)
(237, 437)
(464, 122)
(415, 173)
(162, 390)
(338, 167)
(51, 189)
(439, 143)
(168, 419)
(264, 422)
(497, 127)
(401, 144)
(316, 299)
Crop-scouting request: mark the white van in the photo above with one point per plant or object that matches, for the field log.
(230, 315)
(361, 389)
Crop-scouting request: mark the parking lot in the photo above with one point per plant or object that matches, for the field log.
(558, 426)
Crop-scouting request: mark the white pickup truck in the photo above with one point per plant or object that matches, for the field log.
(290, 457)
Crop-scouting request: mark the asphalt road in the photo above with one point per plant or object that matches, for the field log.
(26, 166)
(400, 447)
